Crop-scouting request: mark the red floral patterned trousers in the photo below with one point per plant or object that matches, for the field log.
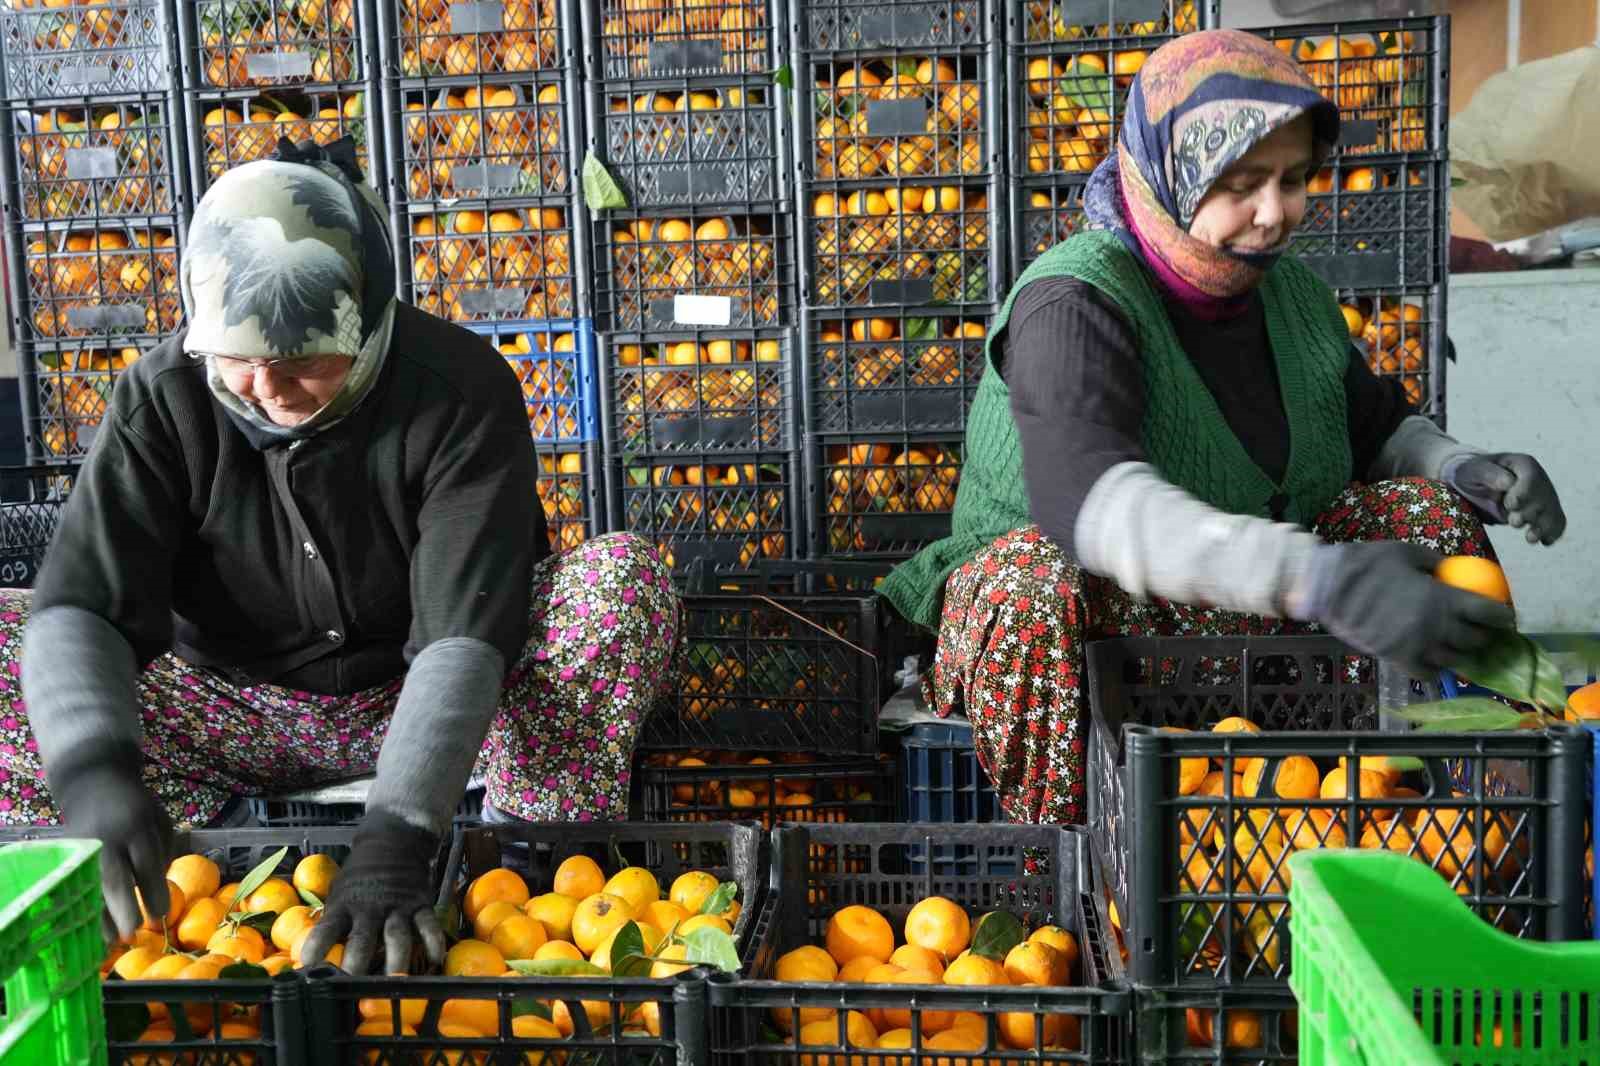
(1016, 619)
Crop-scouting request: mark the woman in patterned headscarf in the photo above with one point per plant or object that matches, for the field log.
(306, 544)
(1174, 431)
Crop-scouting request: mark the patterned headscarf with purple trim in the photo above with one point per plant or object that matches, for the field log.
(1198, 105)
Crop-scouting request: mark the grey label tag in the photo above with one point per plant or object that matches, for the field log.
(896, 26)
(85, 74)
(721, 552)
(908, 291)
(707, 181)
(485, 178)
(1358, 133)
(920, 410)
(493, 301)
(905, 526)
(478, 16)
(278, 64)
(107, 316)
(1074, 12)
(91, 163)
(669, 56)
(697, 431)
(897, 118)
(1356, 271)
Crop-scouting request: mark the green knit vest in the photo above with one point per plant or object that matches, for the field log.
(1185, 435)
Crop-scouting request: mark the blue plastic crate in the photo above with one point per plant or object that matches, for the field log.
(944, 783)
(557, 375)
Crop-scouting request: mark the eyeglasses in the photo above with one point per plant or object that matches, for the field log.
(303, 366)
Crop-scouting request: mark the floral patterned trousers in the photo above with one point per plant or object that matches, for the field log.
(602, 617)
(1016, 619)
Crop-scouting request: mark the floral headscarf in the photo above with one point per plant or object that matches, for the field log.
(290, 258)
(1199, 104)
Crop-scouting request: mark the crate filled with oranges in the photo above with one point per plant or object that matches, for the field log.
(238, 44)
(554, 362)
(703, 392)
(92, 159)
(471, 264)
(71, 392)
(629, 39)
(1067, 105)
(773, 672)
(730, 510)
(856, 25)
(892, 371)
(1047, 22)
(228, 129)
(1044, 212)
(88, 48)
(434, 38)
(565, 942)
(692, 141)
(887, 495)
(1217, 1027)
(703, 267)
(480, 142)
(1389, 77)
(106, 282)
(1213, 760)
(571, 490)
(994, 952)
(1401, 332)
(1369, 224)
(702, 785)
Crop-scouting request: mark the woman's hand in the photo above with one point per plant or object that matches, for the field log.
(382, 891)
(109, 803)
(1513, 489)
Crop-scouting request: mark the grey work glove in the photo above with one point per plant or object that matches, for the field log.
(382, 891)
(1510, 488)
(1382, 599)
(102, 797)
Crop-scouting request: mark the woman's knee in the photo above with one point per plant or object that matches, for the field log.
(1021, 567)
(1415, 510)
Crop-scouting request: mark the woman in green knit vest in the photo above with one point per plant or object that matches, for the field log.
(1175, 436)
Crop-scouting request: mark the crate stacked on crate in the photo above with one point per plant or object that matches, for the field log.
(31, 498)
(259, 71)
(899, 151)
(1212, 760)
(1068, 69)
(96, 199)
(693, 276)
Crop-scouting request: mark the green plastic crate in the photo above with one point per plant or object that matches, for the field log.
(1390, 967)
(50, 951)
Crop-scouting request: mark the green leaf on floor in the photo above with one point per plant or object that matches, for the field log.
(996, 934)
(600, 190)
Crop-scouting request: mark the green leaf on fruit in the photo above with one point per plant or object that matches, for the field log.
(711, 947)
(600, 190)
(244, 971)
(1086, 86)
(922, 329)
(257, 877)
(555, 968)
(719, 901)
(626, 951)
(310, 899)
(1470, 714)
(523, 1007)
(996, 934)
(1518, 669)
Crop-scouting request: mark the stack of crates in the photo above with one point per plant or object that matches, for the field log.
(694, 276)
(95, 202)
(899, 151)
(480, 126)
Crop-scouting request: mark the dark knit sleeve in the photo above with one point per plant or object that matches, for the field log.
(1077, 393)
(1375, 408)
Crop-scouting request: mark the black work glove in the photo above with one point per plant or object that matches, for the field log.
(381, 891)
(1513, 489)
(101, 796)
(1382, 599)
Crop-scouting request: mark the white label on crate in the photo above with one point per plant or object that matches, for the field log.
(689, 309)
(83, 163)
(278, 64)
(85, 74)
(478, 16)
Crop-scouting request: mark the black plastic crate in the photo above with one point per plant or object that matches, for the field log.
(84, 49)
(875, 25)
(819, 869)
(900, 370)
(1037, 24)
(437, 38)
(730, 510)
(570, 488)
(701, 393)
(31, 498)
(928, 119)
(104, 285)
(478, 141)
(694, 268)
(692, 141)
(1376, 225)
(1225, 1027)
(881, 495)
(236, 44)
(1044, 212)
(1497, 814)
(229, 128)
(789, 787)
(634, 39)
(68, 392)
(1402, 334)
(92, 160)
(278, 812)
(500, 262)
(1067, 106)
(773, 672)
(943, 781)
(1389, 77)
